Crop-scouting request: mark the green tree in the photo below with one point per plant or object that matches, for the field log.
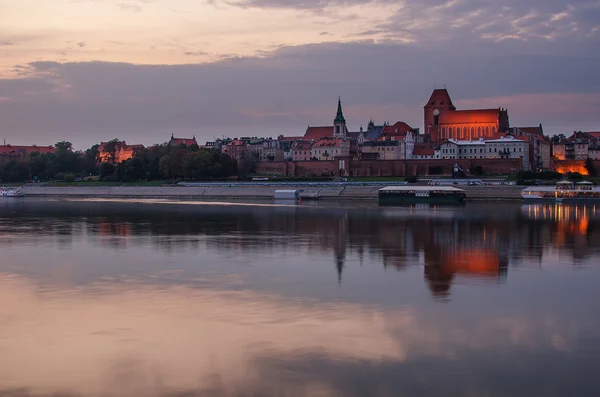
(590, 167)
(131, 170)
(111, 148)
(65, 160)
(90, 160)
(16, 171)
(106, 170)
(41, 165)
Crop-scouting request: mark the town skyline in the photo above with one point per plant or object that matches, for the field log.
(138, 70)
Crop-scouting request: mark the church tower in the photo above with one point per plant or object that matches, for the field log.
(339, 123)
(438, 103)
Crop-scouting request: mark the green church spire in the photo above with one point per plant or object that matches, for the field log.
(339, 118)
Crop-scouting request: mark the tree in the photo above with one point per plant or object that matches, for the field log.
(131, 170)
(557, 138)
(65, 160)
(106, 169)
(111, 148)
(590, 167)
(41, 165)
(16, 171)
(90, 157)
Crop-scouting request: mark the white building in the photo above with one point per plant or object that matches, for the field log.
(507, 147)
(330, 148)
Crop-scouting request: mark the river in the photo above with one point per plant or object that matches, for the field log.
(158, 298)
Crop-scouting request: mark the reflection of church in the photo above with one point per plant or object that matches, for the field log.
(443, 265)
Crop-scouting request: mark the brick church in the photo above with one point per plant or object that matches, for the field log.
(443, 121)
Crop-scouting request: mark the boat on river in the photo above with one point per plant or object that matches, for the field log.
(10, 192)
(421, 194)
(564, 191)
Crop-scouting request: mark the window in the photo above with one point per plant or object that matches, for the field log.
(450, 132)
(495, 150)
(493, 130)
(487, 130)
(519, 149)
(472, 131)
(444, 132)
(479, 131)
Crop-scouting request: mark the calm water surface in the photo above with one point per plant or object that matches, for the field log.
(185, 299)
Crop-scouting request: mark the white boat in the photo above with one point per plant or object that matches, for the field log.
(10, 192)
(563, 192)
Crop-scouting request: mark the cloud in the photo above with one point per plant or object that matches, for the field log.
(298, 4)
(290, 87)
(130, 7)
(195, 53)
(81, 44)
(444, 21)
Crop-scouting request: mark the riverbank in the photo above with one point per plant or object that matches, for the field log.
(323, 191)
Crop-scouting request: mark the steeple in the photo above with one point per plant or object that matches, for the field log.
(339, 118)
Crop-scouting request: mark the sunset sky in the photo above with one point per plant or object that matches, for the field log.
(139, 70)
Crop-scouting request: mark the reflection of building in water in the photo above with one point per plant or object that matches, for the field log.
(570, 226)
(115, 230)
(477, 241)
(442, 265)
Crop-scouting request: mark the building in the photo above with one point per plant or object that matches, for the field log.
(330, 148)
(10, 152)
(452, 149)
(120, 152)
(577, 146)
(423, 152)
(399, 130)
(539, 146)
(337, 130)
(509, 147)
(182, 141)
(506, 147)
(237, 150)
(442, 121)
(383, 150)
(271, 150)
(301, 150)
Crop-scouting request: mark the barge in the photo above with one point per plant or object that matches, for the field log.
(421, 194)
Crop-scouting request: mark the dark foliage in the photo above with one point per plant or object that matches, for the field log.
(590, 168)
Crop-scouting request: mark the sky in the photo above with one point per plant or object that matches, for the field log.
(91, 70)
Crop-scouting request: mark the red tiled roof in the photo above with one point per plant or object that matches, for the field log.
(327, 142)
(400, 128)
(423, 151)
(440, 97)
(595, 134)
(531, 130)
(470, 116)
(302, 145)
(183, 141)
(317, 133)
(10, 149)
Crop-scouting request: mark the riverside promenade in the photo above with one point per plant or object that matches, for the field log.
(240, 191)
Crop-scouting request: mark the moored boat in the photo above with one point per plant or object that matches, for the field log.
(421, 194)
(563, 192)
(9, 192)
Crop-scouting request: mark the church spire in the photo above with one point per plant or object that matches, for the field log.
(339, 118)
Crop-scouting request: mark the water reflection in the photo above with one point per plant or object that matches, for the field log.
(130, 299)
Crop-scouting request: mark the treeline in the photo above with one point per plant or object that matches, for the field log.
(154, 163)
